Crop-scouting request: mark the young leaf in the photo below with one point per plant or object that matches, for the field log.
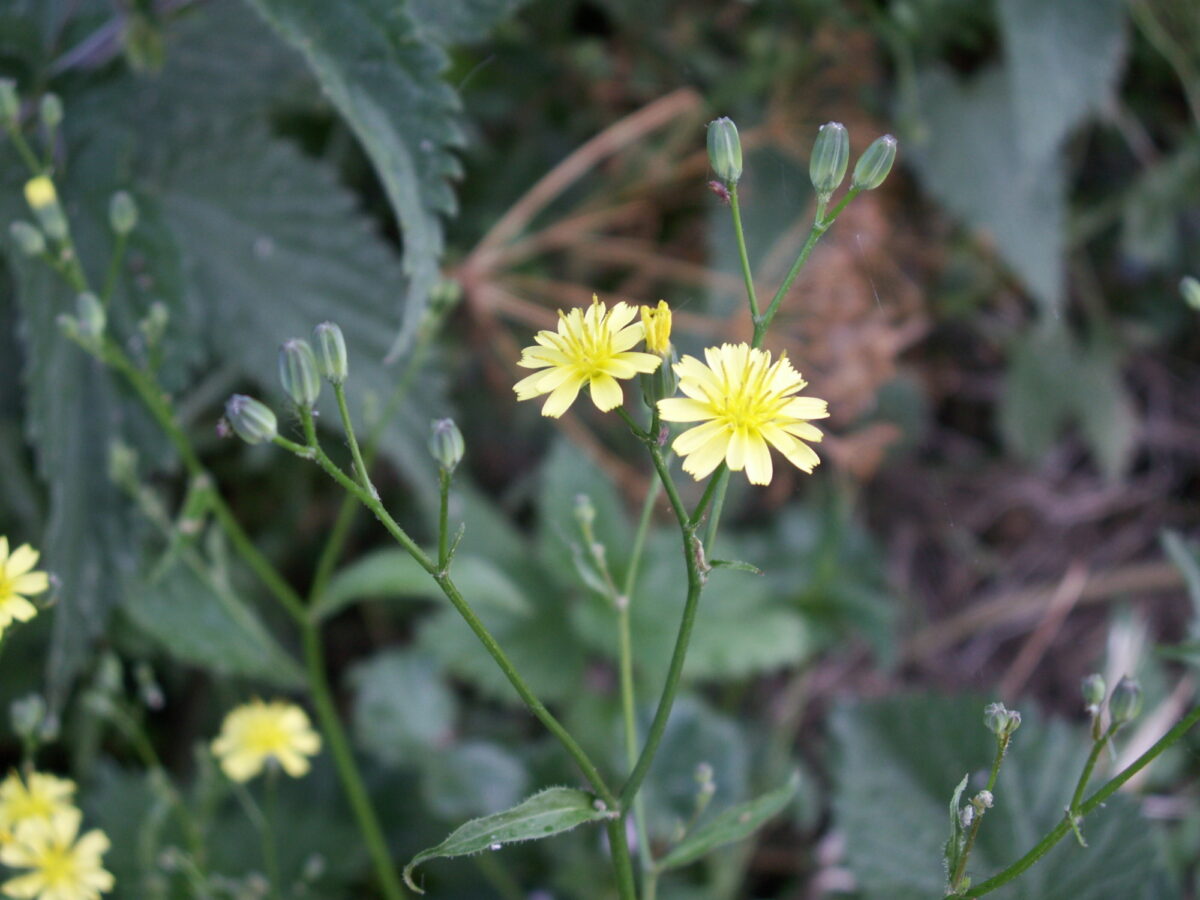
(546, 813)
(736, 564)
(957, 842)
(732, 825)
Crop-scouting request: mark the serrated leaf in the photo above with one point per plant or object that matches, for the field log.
(394, 574)
(543, 815)
(732, 825)
(896, 760)
(385, 80)
(460, 21)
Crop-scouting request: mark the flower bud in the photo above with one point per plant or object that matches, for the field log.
(298, 372)
(830, 156)
(1000, 721)
(966, 816)
(1126, 701)
(89, 313)
(50, 110)
(331, 352)
(585, 512)
(1190, 288)
(725, 150)
(875, 163)
(1093, 689)
(154, 324)
(446, 444)
(252, 421)
(28, 238)
(983, 800)
(122, 213)
(27, 715)
(656, 323)
(10, 103)
(43, 200)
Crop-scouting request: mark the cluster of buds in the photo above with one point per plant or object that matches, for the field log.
(1001, 721)
(1124, 705)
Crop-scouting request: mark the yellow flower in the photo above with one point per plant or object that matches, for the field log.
(40, 193)
(37, 799)
(656, 321)
(18, 583)
(60, 867)
(589, 348)
(258, 731)
(745, 403)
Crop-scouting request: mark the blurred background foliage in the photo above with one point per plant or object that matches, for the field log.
(1008, 496)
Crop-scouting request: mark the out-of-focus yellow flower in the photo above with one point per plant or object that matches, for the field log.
(589, 348)
(59, 867)
(256, 732)
(656, 321)
(745, 403)
(18, 582)
(40, 193)
(39, 798)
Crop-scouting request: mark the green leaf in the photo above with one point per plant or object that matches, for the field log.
(460, 21)
(402, 706)
(735, 565)
(471, 779)
(896, 760)
(1187, 561)
(394, 574)
(543, 815)
(385, 80)
(957, 841)
(732, 825)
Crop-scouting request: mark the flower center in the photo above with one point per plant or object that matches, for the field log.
(57, 867)
(265, 737)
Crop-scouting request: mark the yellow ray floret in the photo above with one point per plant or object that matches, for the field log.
(656, 321)
(18, 582)
(38, 797)
(257, 732)
(58, 866)
(745, 404)
(591, 348)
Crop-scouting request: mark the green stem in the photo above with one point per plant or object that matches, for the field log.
(1098, 746)
(360, 467)
(24, 150)
(721, 478)
(747, 276)
(114, 270)
(265, 836)
(270, 808)
(960, 870)
(622, 864)
(1094, 802)
(443, 519)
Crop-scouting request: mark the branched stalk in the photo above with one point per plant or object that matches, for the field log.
(360, 467)
(1002, 742)
(1098, 746)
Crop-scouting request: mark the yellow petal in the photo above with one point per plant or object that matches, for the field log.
(606, 393)
(701, 462)
(758, 460)
(30, 584)
(805, 408)
(678, 409)
(562, 397)
(22, 560)
(695, 438)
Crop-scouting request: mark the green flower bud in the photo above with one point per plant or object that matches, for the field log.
(1000, 721)
(122, 212)
(662, 382)
(1094, 689)
(154, 324)
(725, 150)
(252, 421)
(27, 715)
(875, 163)
(50, 110)
(830, 156)
(1126, 701)
(28, 238)
(89, 312)
(446, 444)
(331, 352)
(1190, 288)
(298, 372)
(10, 103)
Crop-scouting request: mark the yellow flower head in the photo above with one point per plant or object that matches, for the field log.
(745, 404)
(18, 582)
(59, 866)
(656, 321)
(40, 193)
(589, 348)
(257, 731)
(38, 799)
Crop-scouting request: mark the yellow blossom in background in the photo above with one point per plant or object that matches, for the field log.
(38, 798)
(656, 322)
(18, 582)
(744, 403)
(59, 867)
(589, 348)
(256, 732)
(40, 193)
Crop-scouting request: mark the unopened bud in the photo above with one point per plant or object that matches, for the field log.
(1001, 721)
(298, 372)
(28, 238)
(966, 816)
(122, 212)
(830, 157)
(446, 444)
(89, 312)
(27, 715)
(110, 675)
(1190, 288)
(251, 420)
(43, 200)
(122, 463)
(10, 103)
(983, 800)
(1126, 701)
(704, 777)
(875, 164)
(332, 361)
(50, 110)
(656, 324)
(585, 512)
(1093, 689)
(725, 150)
(154, 324)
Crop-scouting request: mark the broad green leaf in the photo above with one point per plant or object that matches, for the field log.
(543, 815)
(732, 825)
(471, 779)
(402, 705)
(385, 80)
(460, 21)
(895, 762)
(394, 574)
